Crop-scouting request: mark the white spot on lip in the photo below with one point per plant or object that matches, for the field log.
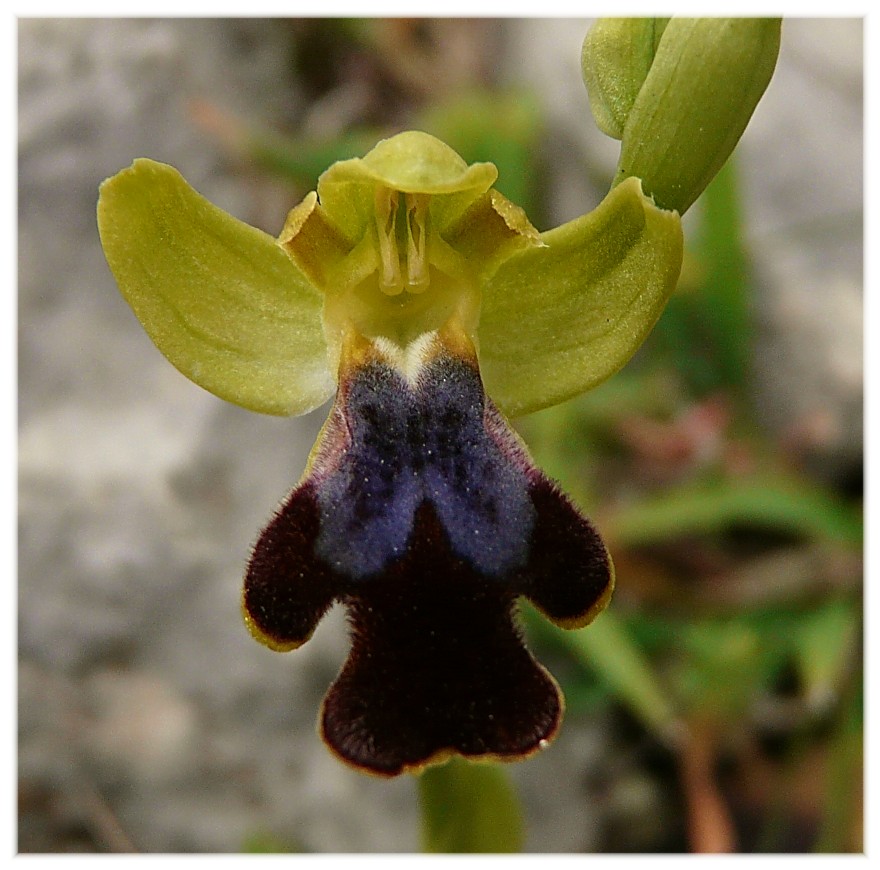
(407, 360)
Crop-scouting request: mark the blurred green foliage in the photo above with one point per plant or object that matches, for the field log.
(711, 319)
(266, 843)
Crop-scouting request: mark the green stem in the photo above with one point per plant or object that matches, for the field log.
(470, 807)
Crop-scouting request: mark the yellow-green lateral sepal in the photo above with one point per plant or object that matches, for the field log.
(557, 320)
(220, 299)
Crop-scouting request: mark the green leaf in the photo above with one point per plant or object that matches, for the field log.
(769, 501)
(220, 299)
(559, 319)
(824, 644)
(707, 332)
(725, 289)
(469, 807)
(607, 648)
(719, 665)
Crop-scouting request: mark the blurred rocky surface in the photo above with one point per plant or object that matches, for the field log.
(140, 494)
(802, 168)
(148, 718)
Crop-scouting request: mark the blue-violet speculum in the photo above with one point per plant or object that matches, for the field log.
(424, 515)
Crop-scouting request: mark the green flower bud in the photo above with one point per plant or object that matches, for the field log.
(615, 60)
(706, 77)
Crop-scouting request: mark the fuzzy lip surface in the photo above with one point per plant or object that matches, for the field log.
(423, 514)
(410, 446)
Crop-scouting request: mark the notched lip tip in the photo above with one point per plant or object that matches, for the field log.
(446, 754)
(440, 757)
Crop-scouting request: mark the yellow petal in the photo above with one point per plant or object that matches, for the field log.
(557, 320)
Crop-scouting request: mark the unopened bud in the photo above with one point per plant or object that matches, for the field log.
(615, 60)
(704, 82)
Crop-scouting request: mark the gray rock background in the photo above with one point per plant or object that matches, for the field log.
(148, 718)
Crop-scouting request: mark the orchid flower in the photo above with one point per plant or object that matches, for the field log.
(426, 302)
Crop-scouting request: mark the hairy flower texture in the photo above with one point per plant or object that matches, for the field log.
(415, 291)
(423, 513)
